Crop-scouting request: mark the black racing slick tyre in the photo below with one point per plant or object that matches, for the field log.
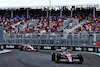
(57, 58)
(80, 58)
(53, 56)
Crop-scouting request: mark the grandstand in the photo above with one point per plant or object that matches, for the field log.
(50, 24)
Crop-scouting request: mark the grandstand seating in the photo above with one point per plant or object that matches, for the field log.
(90, 26)
(18, 24)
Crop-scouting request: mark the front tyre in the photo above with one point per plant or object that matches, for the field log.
(53, 56)
(80, 58)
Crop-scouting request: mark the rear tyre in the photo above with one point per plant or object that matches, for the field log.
(53, 56)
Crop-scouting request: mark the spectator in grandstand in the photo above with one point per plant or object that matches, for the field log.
(11, 24)
(27, 25)
(4, 31)
(70, 25)
(84, 44)
(90, 27)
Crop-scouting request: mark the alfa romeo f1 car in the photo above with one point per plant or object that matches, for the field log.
(27, 48)
(67, 56)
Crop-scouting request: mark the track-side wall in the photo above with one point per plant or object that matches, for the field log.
(51, 47)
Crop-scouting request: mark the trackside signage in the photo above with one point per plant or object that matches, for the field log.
(63, 47)
(90, 49)
(98, 49)
(9, 46)
(78, 48)
(71, 48)
(95, 49)
(47, 47)
(1, 47)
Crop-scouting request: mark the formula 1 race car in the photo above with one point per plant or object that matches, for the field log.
(67, 56)
(27, 48)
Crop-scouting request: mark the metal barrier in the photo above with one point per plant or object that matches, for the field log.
(57, 39)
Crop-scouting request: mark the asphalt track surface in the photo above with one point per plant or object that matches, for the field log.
(42, 59)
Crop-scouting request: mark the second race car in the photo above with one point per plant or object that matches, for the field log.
(27, 48)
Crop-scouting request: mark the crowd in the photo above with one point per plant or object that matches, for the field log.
(43, 26)
(92, 25)
(14, 25)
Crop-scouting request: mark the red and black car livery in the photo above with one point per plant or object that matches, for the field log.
(67, 56)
